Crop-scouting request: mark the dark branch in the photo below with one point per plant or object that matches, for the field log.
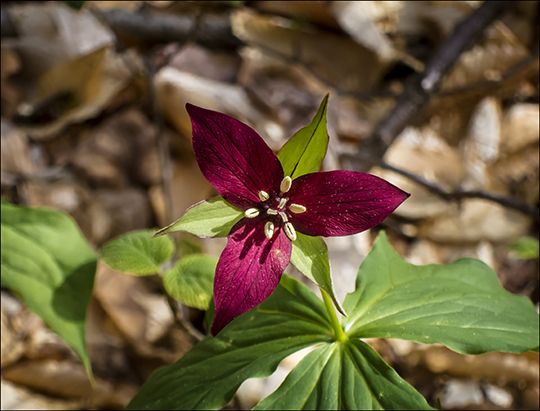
(211, 30)
(457, 194)
(419, 90)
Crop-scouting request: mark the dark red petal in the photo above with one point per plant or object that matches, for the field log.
(233, 157)
(342, 202)
(248, 270)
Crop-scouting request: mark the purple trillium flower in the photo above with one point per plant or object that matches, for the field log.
(245, 171)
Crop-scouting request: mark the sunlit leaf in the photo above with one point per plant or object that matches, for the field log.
(209, 218)
(344, 377)
(137, 252)
(251, 346)
(47, 261)
(461, 305)
(310, 257)
(190, 281)
(305, 150)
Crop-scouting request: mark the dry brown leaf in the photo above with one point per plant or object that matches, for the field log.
(50, 34)
(69, 380)
(424, 153)
(188, 186)
(481, 146)
(16, 397)
(143, 317)
(477, 219)
(339, 61)
(88, 83)
(520, 127)
(488, 61)
(175, 88)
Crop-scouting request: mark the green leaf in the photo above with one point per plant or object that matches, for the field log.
(251, 346)
(461, 305)
(137, 252)
(47, 261)
(310, 256)
(209, 218)
(525, 248)
(344, 377)
(190, 280)
(305, 151)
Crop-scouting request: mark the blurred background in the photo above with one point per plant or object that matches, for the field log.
(93, 123)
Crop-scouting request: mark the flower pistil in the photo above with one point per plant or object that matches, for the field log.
(267, 207)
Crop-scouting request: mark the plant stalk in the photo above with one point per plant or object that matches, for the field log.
(338, 331)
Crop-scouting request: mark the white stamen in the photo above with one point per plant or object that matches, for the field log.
(283, 216)
(269, 229)
(282, 203)
(271, 211)
(297, 208)
(251, 213)
(290, 231)
(263, 195)
(285, 184)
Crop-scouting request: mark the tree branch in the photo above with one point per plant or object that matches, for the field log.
(455, 195)
(212, 30)
(421, 87)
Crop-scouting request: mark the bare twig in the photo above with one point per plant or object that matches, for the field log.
(421, 87)
(455, 195)
(163, 148)
(7, 27)
(50, 173)
(178, 311)
(214, 30)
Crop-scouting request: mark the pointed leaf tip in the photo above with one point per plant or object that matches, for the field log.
(305, 150)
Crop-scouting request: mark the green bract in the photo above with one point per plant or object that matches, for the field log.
(310, 257)
(305, 151)
(46, 260)
(210, 218)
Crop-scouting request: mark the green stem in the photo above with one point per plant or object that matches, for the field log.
(338, 331)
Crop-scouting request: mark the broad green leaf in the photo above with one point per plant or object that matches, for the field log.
(310, 256)
(209, 218)
(190, 280)
(305, 151)
(137, 252)
(461, 305)
(525, 248)
(251, 346)
(344, 377)
(47, 261)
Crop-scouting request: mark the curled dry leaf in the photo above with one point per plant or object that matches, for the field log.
(50, 34)
(481, 146)
(339, 61)
(65, 379)
(488, 61)
(85, 85)
(143, 317)
(176, 88)
(520, 127)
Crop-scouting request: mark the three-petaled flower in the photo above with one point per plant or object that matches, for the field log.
(248, 175)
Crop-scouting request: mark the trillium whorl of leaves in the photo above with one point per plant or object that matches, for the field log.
(245, 171)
